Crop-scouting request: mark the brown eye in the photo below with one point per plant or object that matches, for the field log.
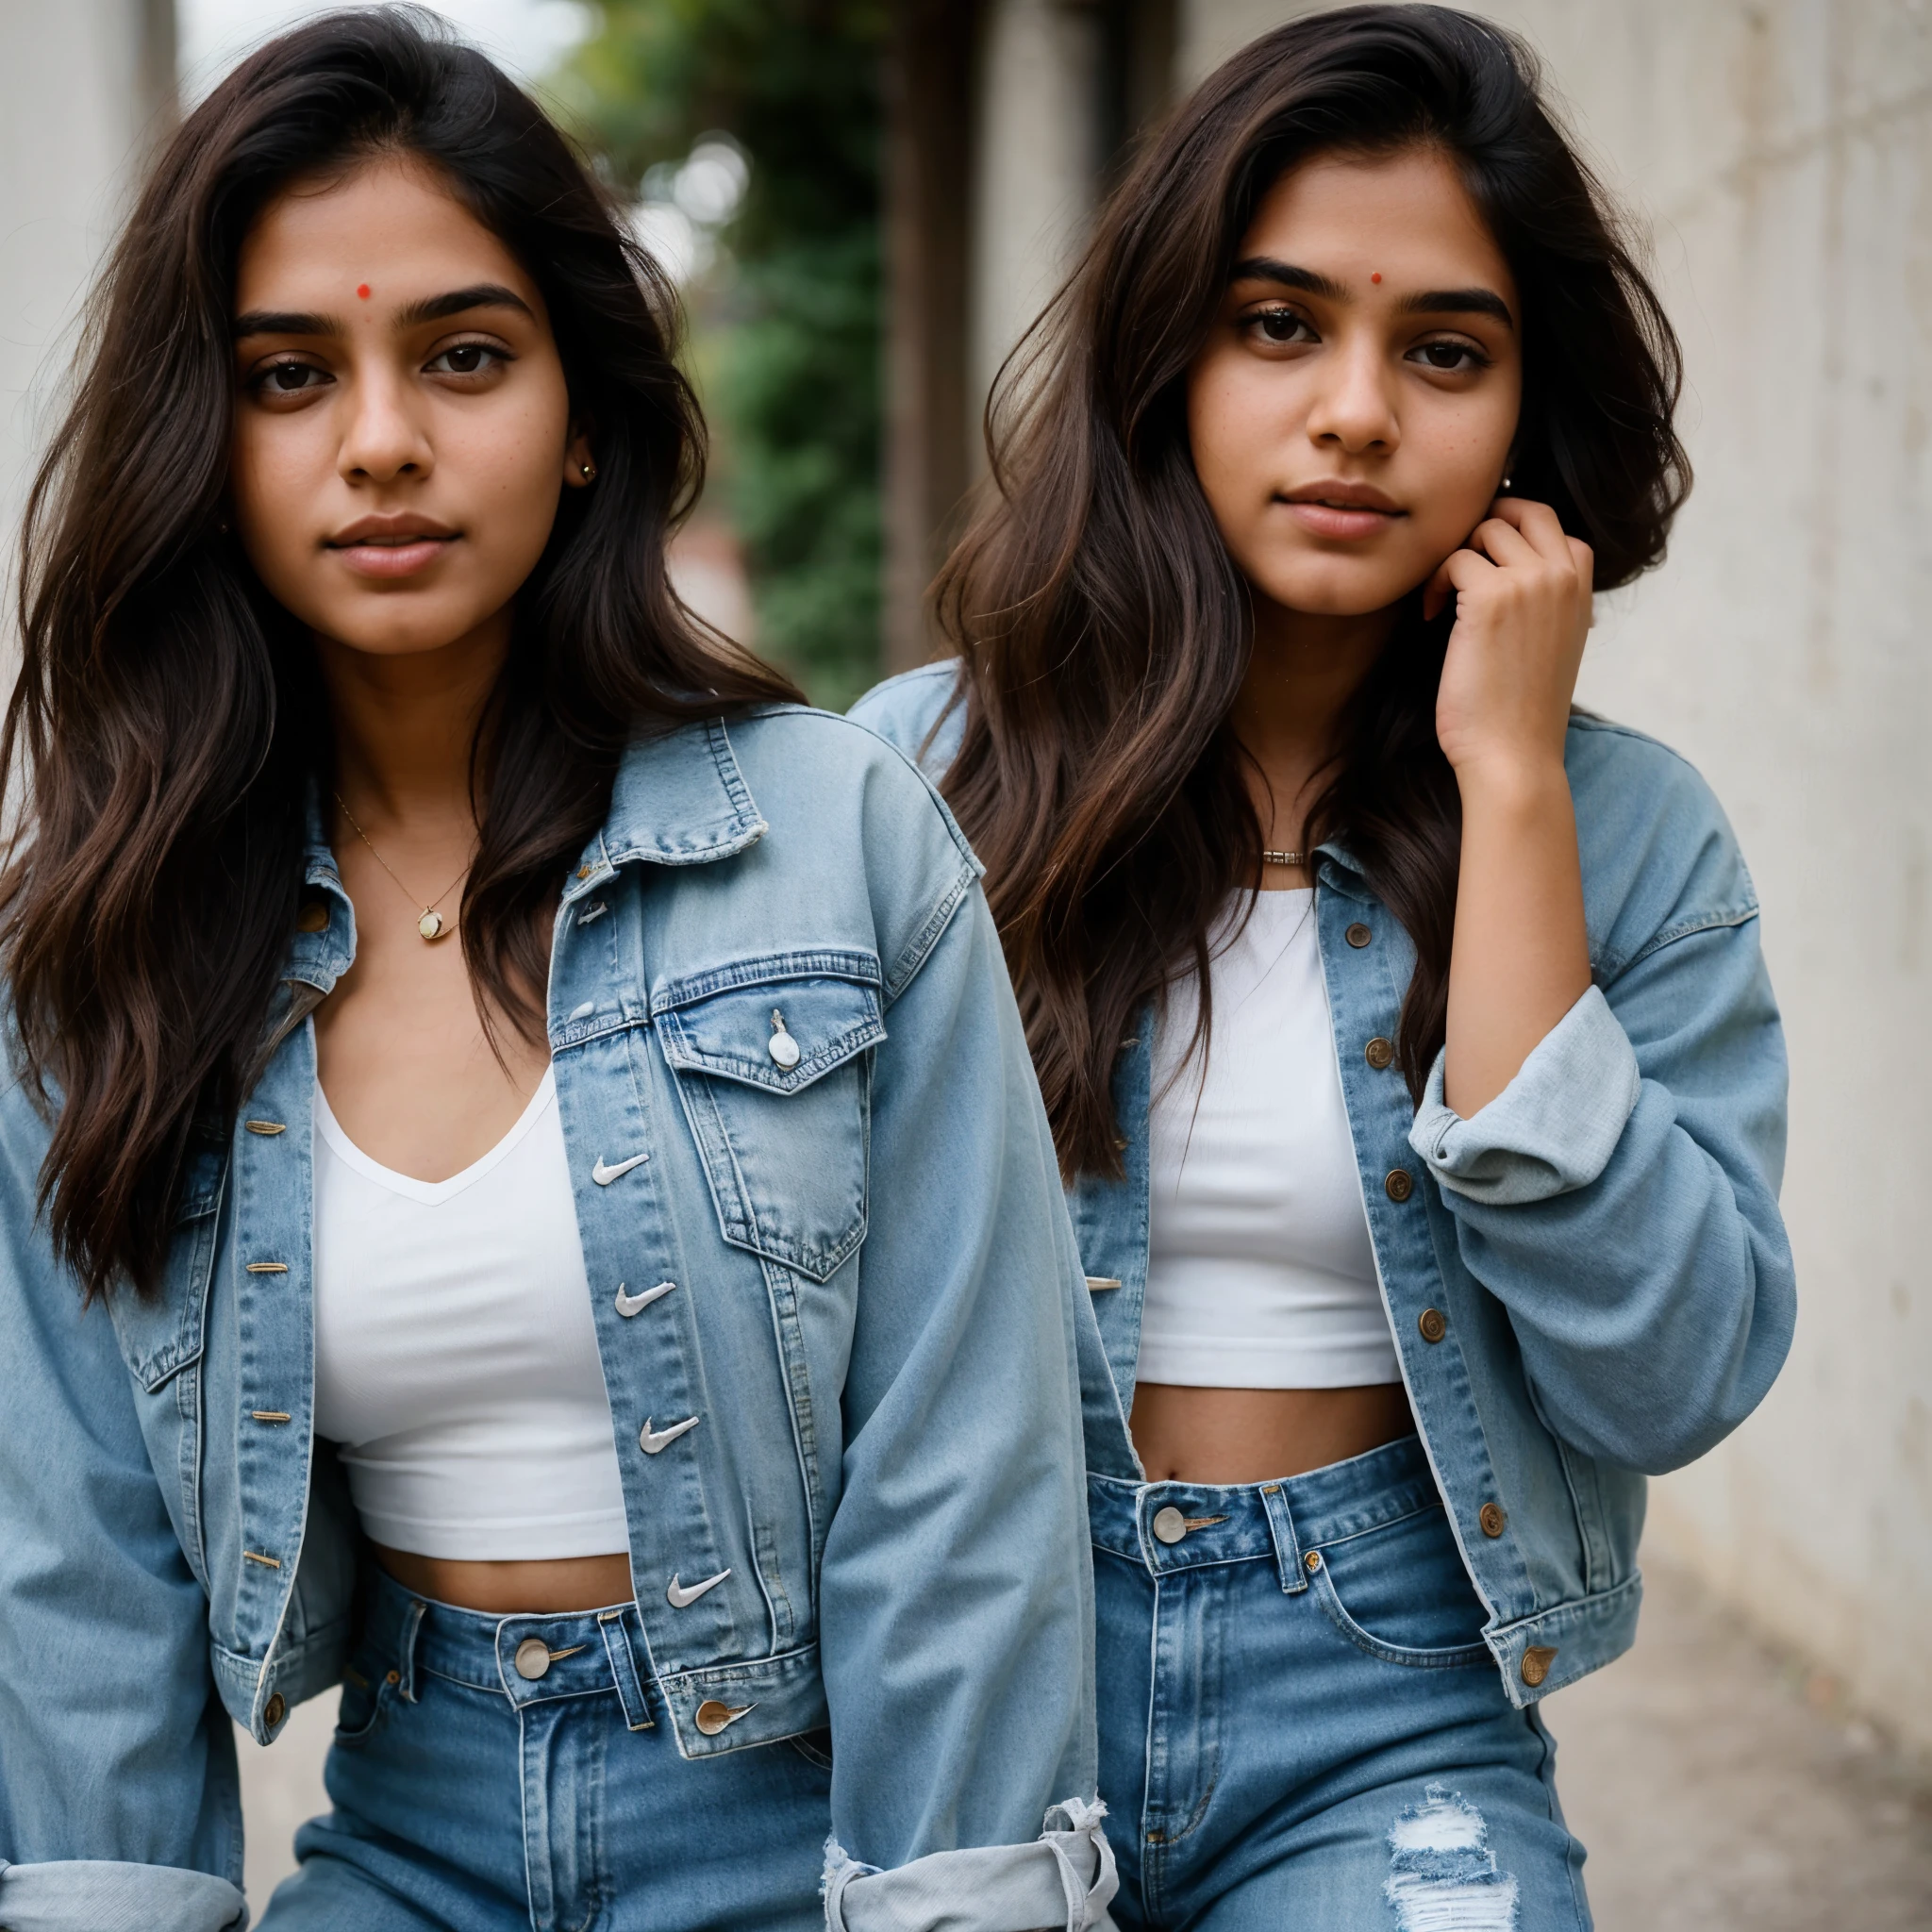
(290, 379)
(1452, 358)
(466, 359)
(1281, 325)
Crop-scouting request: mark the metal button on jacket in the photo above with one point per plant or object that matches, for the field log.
(1492, 1519)
(1170, 1525)
(275, 1710)
(1434, 1325)
(1379, 1052)
(1536, 1660)
(1357, 935)
(1400, 1184)
(784, 1048)
(532, 1658)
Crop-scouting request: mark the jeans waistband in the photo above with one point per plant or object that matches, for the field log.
(1172, 1527)
(584, 1653)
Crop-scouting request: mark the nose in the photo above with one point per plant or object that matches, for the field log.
(1355, 405)
(383, 436)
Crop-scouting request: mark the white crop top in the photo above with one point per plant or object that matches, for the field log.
(455, 1353)
(1261, 1273)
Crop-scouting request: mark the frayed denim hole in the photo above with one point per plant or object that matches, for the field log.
(1443, 1875)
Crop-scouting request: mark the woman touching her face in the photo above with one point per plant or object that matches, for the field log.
(524, 1194)
(1417, 1085)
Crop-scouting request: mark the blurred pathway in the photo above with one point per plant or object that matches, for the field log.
(1713, 1791)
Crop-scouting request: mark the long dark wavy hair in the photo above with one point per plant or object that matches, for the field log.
(1103, 629)
(169, 723)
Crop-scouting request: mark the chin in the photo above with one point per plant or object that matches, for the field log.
(1338, 595)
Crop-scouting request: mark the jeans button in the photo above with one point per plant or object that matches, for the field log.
(532, 1658)
(1170, 1525)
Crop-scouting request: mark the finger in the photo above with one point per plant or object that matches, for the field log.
(1583, 562)
(1461, 570)
(1538, 524)
(1498, 538)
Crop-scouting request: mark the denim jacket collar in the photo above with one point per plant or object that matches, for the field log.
(678, 799)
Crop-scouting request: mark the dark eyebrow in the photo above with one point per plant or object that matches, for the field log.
(483, 295)
(272, 322)
(1459, 302)
(1264, 268)
(284, 321)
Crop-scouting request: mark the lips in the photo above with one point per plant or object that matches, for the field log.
(1346, 511)
(390, 546)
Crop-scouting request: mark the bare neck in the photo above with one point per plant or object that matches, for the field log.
(1302, 673)
(405, 727)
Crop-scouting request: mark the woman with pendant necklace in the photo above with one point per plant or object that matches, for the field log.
(1404, 1030)
(522, 1193)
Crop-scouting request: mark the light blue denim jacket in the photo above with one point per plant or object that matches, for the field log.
(876, 1296)
(1589, 1279)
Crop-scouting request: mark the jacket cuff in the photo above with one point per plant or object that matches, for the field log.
(1059, 1883)
(1552, 1129)
(107, 1896)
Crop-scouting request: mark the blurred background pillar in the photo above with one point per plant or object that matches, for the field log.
(84, 87)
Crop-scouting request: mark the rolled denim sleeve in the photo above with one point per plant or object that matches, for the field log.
(1645, 1265)
(104, 1895)
(118, 1792)
(956, 1584)
(1553, 1128)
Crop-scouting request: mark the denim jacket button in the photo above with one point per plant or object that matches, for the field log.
(532, 1658)
(1170, 1525)
(1492, 1519)
(1379, 1052)
(1434, 1325)
(1400, 1184)
(275, 1710)
(1357, 935)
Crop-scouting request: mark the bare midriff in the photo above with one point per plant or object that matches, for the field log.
(1259, 1435)
(513, 1588)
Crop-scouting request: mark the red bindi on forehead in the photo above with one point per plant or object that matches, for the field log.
(363, 289)
(1375, 277)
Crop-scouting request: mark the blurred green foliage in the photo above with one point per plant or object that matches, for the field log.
(794, 306)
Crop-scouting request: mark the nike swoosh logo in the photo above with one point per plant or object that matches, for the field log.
(629, 1304)
(604, 1176)
(656, 1442)
(679, 1598)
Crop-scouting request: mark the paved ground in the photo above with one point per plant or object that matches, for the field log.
(1718, 1787)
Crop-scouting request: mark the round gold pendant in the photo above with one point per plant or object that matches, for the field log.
(430, 925)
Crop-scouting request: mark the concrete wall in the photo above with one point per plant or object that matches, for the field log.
(80, 86)
(1781, 152)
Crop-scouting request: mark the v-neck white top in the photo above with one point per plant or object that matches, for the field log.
(1260, 1272)
(455, 1352)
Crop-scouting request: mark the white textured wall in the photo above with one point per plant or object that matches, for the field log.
(1781, 151)
(72, 116)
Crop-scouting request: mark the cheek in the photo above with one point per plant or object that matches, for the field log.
(1231, 435)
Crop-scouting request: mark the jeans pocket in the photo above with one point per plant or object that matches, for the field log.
(1400, 1592)
(369, 1683)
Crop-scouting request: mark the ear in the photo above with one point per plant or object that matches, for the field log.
(579, 465)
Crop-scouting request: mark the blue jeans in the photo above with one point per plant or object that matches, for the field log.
(469, 1796)
(1299, 1722)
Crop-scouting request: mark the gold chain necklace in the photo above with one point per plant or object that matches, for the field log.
(1267, 857)
(431, 923)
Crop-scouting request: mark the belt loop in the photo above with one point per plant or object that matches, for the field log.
(1288, 1550)
(406, 1648)
(615, 1625)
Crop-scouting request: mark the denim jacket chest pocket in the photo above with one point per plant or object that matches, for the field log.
(773, 1068)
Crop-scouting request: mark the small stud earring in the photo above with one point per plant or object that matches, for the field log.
(589, 472)
(1508, 482)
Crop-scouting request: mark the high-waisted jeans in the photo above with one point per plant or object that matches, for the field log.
(1299, 1723)
(471, 1797)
